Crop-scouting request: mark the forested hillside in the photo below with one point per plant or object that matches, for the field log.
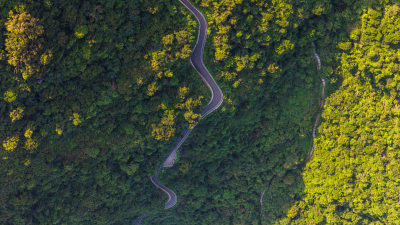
(90, 93)
(93, 94)
(354, 176)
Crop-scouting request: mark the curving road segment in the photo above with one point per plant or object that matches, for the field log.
(139, 221)
(216, 100)
(197, 61)
(172, 198)
(321, 104)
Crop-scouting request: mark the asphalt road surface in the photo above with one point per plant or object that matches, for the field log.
(139, 221)
(217, 97)
(197, 61)
(321, 104)
(172, 199)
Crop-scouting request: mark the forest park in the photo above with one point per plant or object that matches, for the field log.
(94, 94)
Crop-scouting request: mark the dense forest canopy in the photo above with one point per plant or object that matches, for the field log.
(93, 94)
(354, 176)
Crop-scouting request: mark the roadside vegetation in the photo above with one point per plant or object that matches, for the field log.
(93, 94)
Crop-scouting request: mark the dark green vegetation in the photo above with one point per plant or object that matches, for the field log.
(94, 92)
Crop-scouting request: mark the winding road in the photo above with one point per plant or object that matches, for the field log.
(315, 122)
(139, 221)
(322, 101)
(172, 199)
(216, 100)
(196, 59)
(217, 97)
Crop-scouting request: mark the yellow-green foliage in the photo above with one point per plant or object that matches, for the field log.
(157, 60)
(59, 130)
(31, 144)
(354, 175)
(182, 92)
(45, 58)
(228, 75)
(27, 162)
(81, 31)
(76, 119)
(344, 45)
(152, 88)
(391, 25)
(24, 42)
(172, 51)
(10, 96)
(272, 68)
(189, 105)
(284, 47)
(241, 62)
(168, 39)
(28, 133)
(11, 143)
(165, 129)
(16, 114)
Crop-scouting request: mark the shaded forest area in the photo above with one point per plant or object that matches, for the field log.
(95, 92)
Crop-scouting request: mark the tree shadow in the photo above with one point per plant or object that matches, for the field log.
(225, 165)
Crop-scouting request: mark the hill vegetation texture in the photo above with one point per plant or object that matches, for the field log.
(94, 93)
